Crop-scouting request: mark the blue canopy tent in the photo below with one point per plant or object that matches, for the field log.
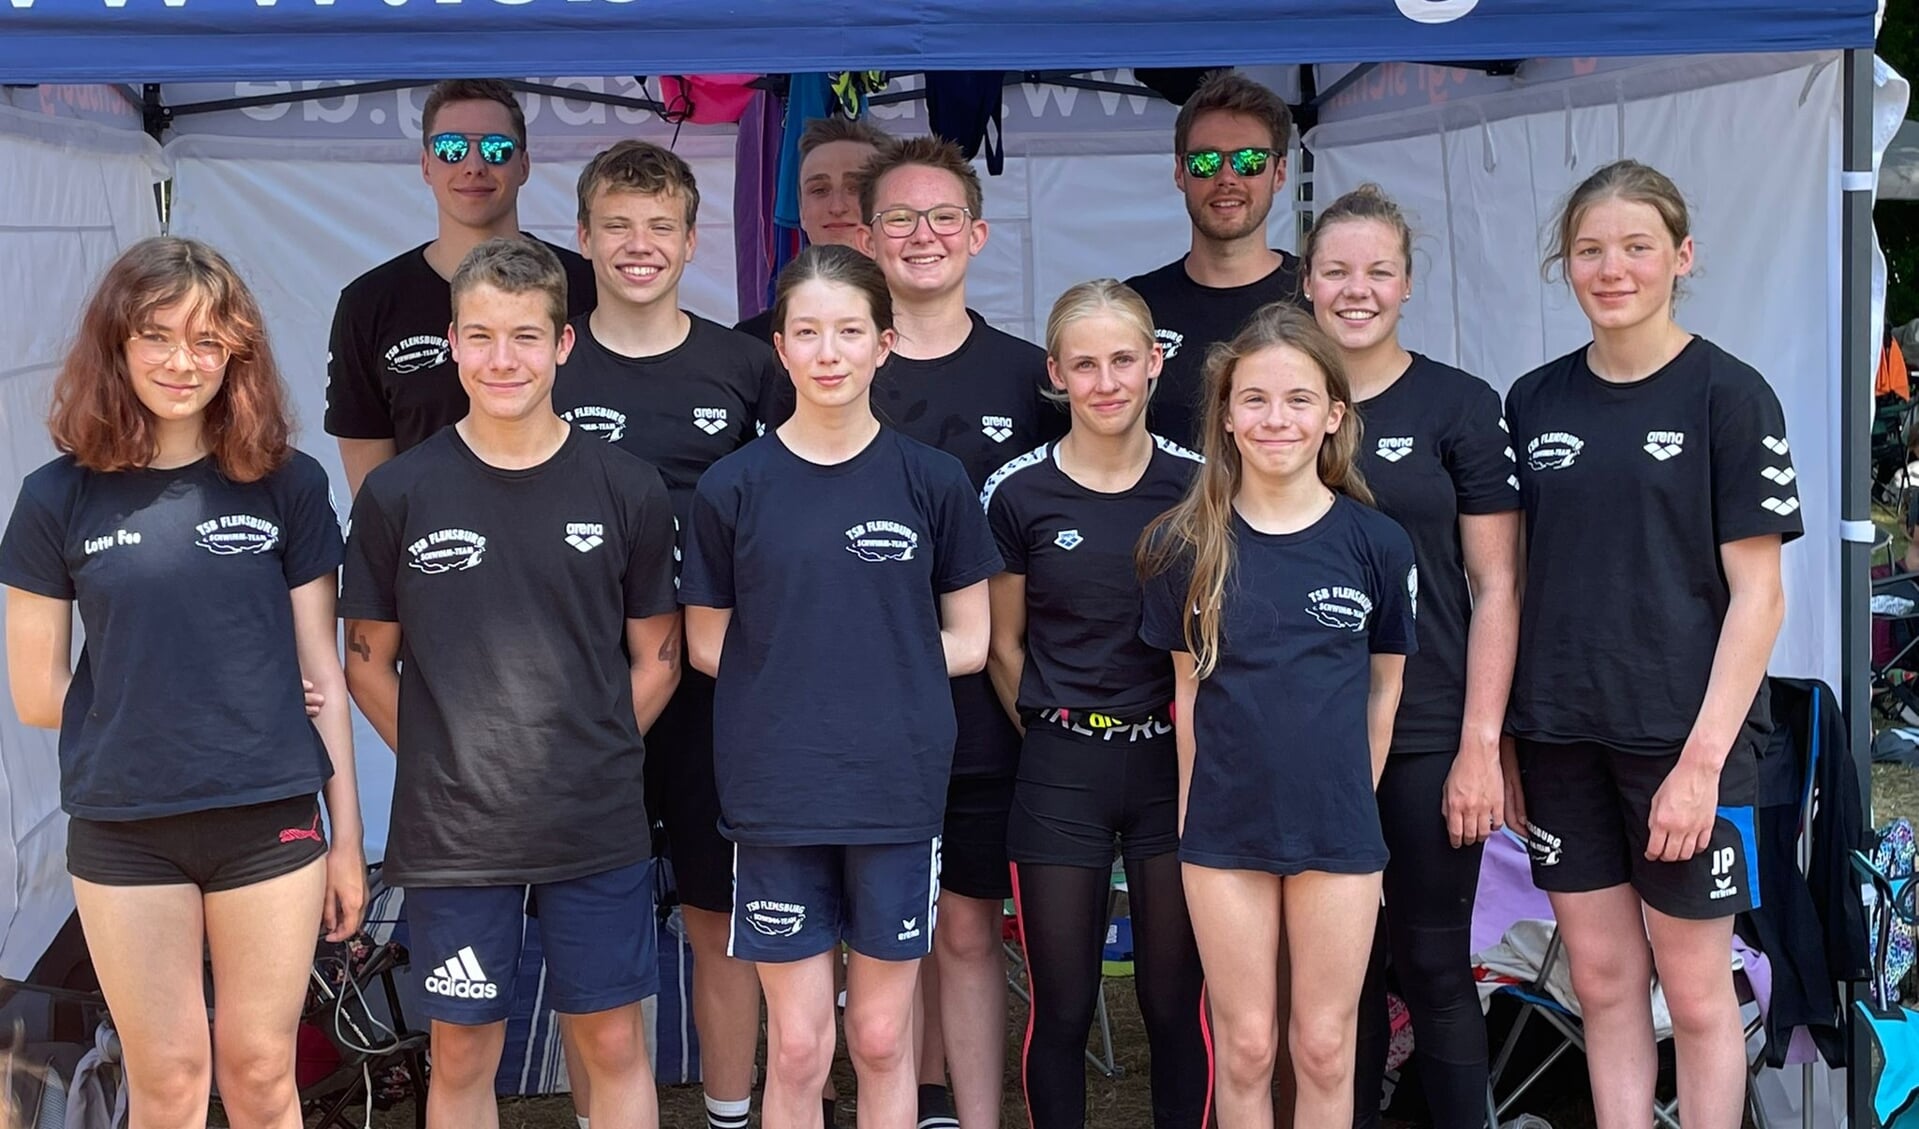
(181, 40)
(149, 48)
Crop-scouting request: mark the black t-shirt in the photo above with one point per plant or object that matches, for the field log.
(832, 721)
(187, 695)
(1282, 777)
(1075, 547)
(390, 370)
(760, 325)
(1629, 491)
(520, 759)
(1435, 447)
(681, 410)
(1187, 319)
(982, 404)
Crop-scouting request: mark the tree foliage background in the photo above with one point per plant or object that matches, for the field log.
(1898, 220)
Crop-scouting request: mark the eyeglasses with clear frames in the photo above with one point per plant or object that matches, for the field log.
(943, 219)
(207, 354)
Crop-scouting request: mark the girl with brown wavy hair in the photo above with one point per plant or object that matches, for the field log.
(201, 552)
(1286, 603)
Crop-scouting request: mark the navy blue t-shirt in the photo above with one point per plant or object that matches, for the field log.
(982, 403)
(1629, 491)
(1075, 548)
(1282, 772)
(1436, 447)
(833, 720)
(187, 695)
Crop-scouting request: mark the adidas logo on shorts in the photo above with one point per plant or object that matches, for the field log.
(462, 978)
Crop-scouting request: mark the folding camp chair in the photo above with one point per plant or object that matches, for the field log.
(1537, 1000)
(1890, 1027)
(377, 1056)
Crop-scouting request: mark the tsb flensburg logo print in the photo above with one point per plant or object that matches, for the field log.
(776, 919)
(605, 423)
(882, 541)
(1339, 606)
(416, 353)
(1555, 450)
(237, 533)
(447, 550)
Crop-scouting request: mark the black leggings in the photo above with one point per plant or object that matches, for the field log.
(1063, 918)
(1427, 927)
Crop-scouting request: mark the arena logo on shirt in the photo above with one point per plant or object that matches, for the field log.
(776, 919)
(595, 420)
(1395, 448)
(1339, 606)
(1169, 342)
(882, 541)
(447, 550)
(585, 536)
(1068, 539)
(997, 428)
(1412, 590)
(1663, 445)
(1555, 450)
(237, 533)
(710, 420)
(416, 353)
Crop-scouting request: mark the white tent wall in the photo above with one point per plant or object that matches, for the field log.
(77, 193)
(1757, 158)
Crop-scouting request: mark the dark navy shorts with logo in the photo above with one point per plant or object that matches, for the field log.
(218, 849)
(1588, 808)
(791, 903)
(597, 934)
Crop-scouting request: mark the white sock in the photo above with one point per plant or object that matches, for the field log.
(727, 1115)
(581, 1120)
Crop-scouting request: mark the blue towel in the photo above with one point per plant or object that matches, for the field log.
(808, 96)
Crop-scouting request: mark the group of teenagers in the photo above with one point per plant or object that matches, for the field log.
(910, 617)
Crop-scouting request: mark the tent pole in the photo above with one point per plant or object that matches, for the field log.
(1856, 357)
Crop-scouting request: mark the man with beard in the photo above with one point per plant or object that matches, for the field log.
(1229, 145)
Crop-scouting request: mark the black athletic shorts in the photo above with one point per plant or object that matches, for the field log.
(682, 795)
(1587, 810)
(218, 849)
(1084, 787)
(973, 845)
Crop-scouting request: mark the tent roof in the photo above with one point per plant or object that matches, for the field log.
(72, 41)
